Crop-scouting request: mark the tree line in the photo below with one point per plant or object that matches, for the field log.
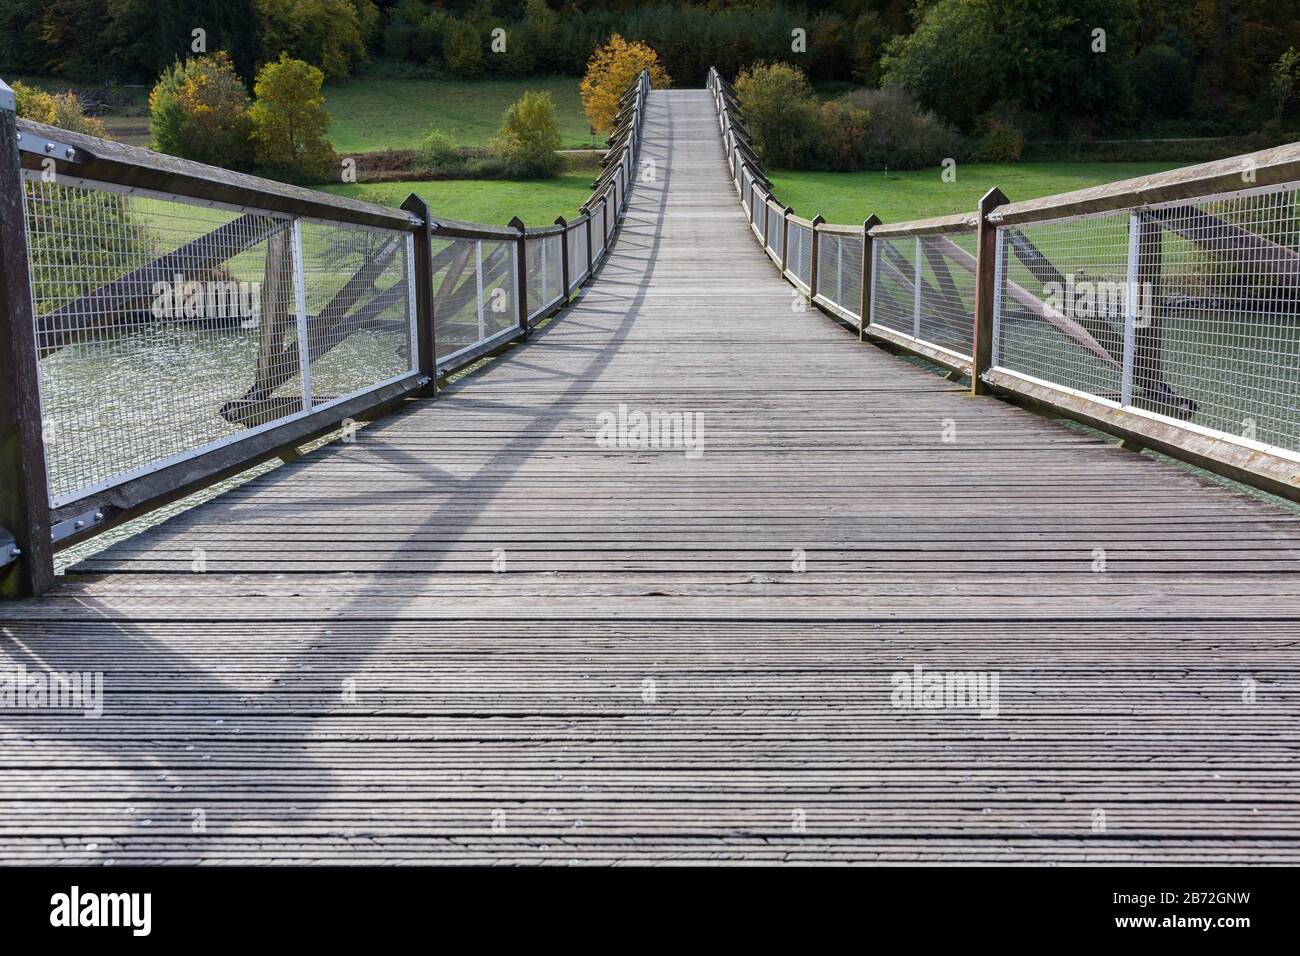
(1051, 67)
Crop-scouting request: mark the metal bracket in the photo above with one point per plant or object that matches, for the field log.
(50, 148)
(9, 550)
(70, 526)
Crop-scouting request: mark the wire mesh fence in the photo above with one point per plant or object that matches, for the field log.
(1189, 309)
(545, 273)
(475, 284)
(798, 263)
(166, 327)
(839, 272)
(775, 229)
(576, 238)
(1037, 332)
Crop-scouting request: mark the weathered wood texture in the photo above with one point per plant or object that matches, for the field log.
(648, 679)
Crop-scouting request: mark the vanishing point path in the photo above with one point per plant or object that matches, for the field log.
(647, 677)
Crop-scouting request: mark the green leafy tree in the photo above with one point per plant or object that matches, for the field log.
(290, 121)
(530, 136)
(199, 110)
(1283, 80)
(330, 34)
(1162, 81)
(780, 112)
(965, 56)
(462, 48)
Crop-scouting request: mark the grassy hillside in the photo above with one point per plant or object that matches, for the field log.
(919, 194)
(376, 113)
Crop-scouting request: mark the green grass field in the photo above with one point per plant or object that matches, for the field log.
(374, 114)
(494, 202)
(919, 194)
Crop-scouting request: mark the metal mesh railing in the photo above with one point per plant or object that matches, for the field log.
(1184, 309)
(576, 237)
(839, 272)
(798, 261)
(545, 273)
(947, 315)
(597, 231)
(1036, 331)
(475, 283)
(775, 229)
(893, 284)
(167, 327)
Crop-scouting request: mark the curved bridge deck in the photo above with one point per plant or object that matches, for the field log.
(649, 678)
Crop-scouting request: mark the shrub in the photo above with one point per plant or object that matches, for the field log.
(290, 122)
(780, 113)
(436, 150)
(1002, 142)
(199, 110)
(901, 135)
(842, 129)
(530, 135)
(63, 110)
(462, 47)
(610, 71)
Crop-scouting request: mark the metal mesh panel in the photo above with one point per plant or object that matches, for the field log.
(474, 292)
(612, 218)
(576, 237)
(947, 315)
(839, 271)
(358, 315)
(775, 228)
(545, 273)
(597, 231)
(166, 328)
(799, 260)
(893, 284)
(746, 193)
(1042, 330)
(1217, 335)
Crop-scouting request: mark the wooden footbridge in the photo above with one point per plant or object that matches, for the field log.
(477, 630)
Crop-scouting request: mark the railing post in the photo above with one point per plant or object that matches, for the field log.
(564, 254)
(426, 348)
(26, 562)
(521, 284)
(785, 237)
(985, 288)
(868, 250)
(812, 267)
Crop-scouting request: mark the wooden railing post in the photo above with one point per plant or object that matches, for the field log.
(868, 254)
(812, 268)
(425, 346)
(522, 279)
(985, 281)
(26, 561)
(564, 254)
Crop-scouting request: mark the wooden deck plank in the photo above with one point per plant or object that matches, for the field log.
(649, 679)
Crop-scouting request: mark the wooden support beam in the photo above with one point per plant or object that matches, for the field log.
(24, 492)
(521, 285)
(985, 280)
(864, 307)
(426, 349)
(564, 254)
(812, 263)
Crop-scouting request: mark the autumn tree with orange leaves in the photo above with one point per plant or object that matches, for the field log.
(610, 71)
